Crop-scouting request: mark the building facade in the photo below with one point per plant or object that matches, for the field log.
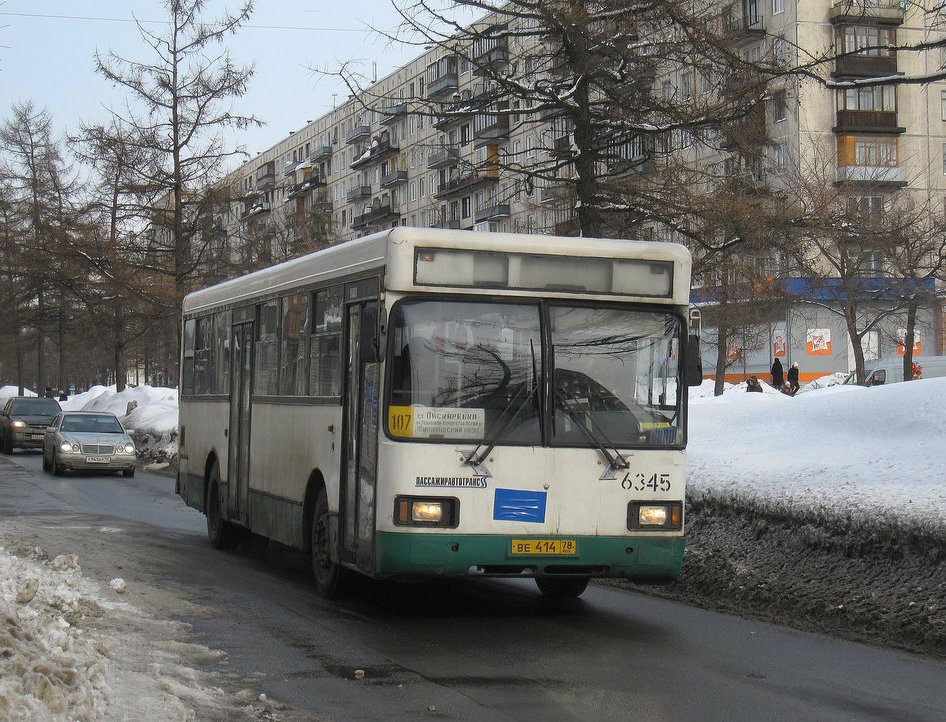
(417, 148)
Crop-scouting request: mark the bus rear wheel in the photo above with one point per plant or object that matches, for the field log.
(329, 576)
(222, 534)
(562, 587)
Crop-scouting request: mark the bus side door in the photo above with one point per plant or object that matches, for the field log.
(359, 472)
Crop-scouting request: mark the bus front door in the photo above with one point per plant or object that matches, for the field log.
(241, 377)
(362, 386)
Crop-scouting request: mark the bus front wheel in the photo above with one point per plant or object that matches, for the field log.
(562, 587)
(329, 576)
(222, 533)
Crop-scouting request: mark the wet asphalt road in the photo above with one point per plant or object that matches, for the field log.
(460, 650)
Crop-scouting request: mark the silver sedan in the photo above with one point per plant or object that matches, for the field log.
(88, 440)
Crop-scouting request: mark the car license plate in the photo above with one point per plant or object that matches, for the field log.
(36, 437)
(97, 460)
(544, 546)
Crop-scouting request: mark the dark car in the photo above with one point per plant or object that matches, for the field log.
(88, 441)
(23, 422)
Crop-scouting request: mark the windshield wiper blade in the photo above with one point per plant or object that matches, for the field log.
(614, 457)
(505, 419)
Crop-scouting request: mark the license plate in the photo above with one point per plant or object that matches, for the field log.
(36, 437)
(544, 546)
(97, 459)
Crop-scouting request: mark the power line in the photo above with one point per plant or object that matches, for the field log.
(161, 22)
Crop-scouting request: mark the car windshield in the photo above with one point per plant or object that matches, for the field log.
(91, 424)
(35, 407)
(462, 370)
(473, 371)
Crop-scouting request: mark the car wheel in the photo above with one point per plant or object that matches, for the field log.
(128, 473)
(562, 587)
(57, 468)
(7, 443)
(222, 533)
(45, 461)
(330, 577)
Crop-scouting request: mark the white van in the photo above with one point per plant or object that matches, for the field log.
(890, 371)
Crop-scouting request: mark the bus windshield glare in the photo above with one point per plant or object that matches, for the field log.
(473, 371)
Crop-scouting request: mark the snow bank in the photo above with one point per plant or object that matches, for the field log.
(850, 449)
(48, 669)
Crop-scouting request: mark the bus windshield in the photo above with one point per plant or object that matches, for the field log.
(472, 371)
(460, 370)
(616, 376)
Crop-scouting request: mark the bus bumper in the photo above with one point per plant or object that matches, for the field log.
(639, 559)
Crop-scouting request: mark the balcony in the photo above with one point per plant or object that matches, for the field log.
(453, 116)
(442, 78)
(376, 153)
(358, 134)
(445, 223)
(443, 157)
(357, 193)
(491, 212)
(311, 183)
(377, 215)
(864, 66)
(392, 111)
(393, 178)
(869, 12)
(885, 176)
(487, 127)
(554, 194)
(256, 209)
(465, 183)
(745, 28)
(320, 153)
(489, 52)
(868, 121)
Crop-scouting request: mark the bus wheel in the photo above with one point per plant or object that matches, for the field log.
(329, 576)
(562, 587)
(222, 534)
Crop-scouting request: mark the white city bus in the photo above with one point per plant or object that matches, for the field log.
(422, 403)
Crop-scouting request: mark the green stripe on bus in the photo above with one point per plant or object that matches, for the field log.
(645, 559)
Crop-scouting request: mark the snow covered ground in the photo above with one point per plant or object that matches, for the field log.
(856, 451)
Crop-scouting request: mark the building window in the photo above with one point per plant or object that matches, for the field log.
(942, 103)
(871, 152)
(778, 6)
(781, 107)
(465, 207)
(944, 158)
(883, 98)
(781, 154)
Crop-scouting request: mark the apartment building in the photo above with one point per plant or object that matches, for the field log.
(417, 148)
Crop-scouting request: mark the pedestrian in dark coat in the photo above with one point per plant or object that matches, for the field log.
(752, 384)
(777, 375)
(793, 377)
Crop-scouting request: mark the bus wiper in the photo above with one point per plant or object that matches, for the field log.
(505, 418)
(599, 439)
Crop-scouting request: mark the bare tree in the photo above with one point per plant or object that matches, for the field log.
(41, 220)
(179, 100)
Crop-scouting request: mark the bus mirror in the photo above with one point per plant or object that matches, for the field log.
(694, 366)
(368, 341)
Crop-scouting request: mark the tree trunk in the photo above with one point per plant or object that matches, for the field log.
(908, 340)
(722, 336)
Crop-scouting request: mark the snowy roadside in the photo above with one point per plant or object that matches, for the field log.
(73, 649)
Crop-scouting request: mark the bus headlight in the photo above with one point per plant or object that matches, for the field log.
(655, 515)
(426, 511)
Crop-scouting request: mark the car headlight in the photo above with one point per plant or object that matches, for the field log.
(17, 424)
(129, 448)
(65, 446)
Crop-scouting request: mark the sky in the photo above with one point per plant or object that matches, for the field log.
(47, 55)
(863, 452)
